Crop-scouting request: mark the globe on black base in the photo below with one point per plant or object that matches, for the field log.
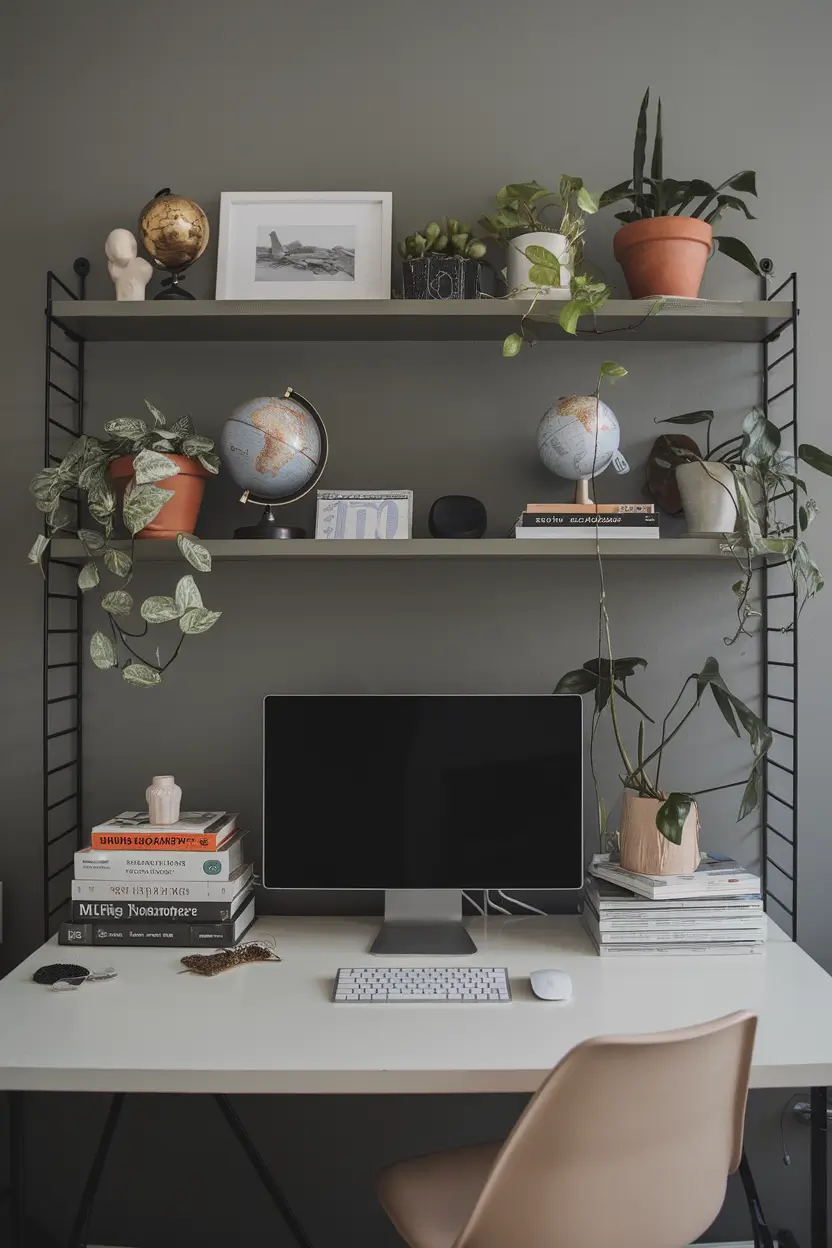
(267, 527)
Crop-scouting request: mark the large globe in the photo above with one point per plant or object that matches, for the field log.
(174, 231)
(273, 448)
(578, 437)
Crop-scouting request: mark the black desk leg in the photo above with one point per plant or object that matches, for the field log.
(263, 1172)
(818, 1135)
(17, 1172)
(77, 1236)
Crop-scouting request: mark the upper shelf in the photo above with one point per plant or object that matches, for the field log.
(424, 548)
(483, 320)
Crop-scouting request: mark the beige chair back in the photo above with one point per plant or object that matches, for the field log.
(629, 1142)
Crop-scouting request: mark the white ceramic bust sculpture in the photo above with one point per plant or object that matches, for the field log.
(127, 269)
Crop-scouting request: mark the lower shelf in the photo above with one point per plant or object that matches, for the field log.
(425, 548)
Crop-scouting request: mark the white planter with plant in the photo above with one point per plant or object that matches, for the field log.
(524, 253)
(709, 497)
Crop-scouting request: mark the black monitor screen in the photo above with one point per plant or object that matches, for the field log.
(422, 792)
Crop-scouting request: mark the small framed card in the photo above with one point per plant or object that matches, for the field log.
(364, 514)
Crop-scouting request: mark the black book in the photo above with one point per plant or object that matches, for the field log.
(159, 935)
(588, 520)
(124, 911)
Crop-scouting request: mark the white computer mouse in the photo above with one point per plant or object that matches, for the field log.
(551, 985)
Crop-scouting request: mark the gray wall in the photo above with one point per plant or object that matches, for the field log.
(441, 104)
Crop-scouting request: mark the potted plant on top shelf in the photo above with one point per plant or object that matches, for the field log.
(442, 261)
(158, 475)
(667, 235)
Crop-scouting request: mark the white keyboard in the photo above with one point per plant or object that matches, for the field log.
(422, 983)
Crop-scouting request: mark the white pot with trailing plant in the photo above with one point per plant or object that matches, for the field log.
(540, 256)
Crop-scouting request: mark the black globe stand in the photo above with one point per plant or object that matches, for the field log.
(268, 528)
(171, 288)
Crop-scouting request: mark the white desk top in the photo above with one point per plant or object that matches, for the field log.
(272, 1027)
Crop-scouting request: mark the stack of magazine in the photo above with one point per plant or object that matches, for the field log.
(716, 910)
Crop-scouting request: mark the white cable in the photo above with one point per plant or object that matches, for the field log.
(523, 905)
(475, 904)
(493, 904)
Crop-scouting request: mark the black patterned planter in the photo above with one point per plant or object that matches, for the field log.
(442, 277)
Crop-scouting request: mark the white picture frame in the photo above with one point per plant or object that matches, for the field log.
(364, 515)
(305, 245)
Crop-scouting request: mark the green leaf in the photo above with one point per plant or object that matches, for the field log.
(542, 255)
(198, 620)
(142, 504)
(542, 275)
(815, 458)
(159, 609)
(141, 674)
(92, 541)
(126, 427)
(117, 602)
(609, 368)
(184, 425)
(526, 192)
(640, 145)
(687, 418)
(38, 548)
(149, 466)
(46, 485)
(195, 445)
(751, 793)
(656, 164)
(578, 681)
(570, 314)
(744, 182)
(197, 556)
(158, 419)
(512, 345)
(210, 462)
(118, 562)
(621, 668)
(729, 201)
(724, 703)
(671, 816)
(586, 201)
(88, 577)
(101, 499)
(187, 594)
(102, 651)
(737, 250)
(761, 438)
(624, 190)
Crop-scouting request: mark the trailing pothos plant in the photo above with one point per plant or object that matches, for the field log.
(84, 469)
(765, 477)
(654, 195)
(606, 678)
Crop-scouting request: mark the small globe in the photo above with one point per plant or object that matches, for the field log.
(567, 440)
(275, 448)
(174, 231)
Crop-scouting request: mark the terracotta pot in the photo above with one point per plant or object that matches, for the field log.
(179, 513)
(644, 849)
(664, 255)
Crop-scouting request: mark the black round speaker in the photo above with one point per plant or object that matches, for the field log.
(457, 515)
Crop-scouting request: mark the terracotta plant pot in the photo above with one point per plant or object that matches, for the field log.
(664, 255)
(179, 513)
(644, 849)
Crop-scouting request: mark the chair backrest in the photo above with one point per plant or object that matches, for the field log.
(629, 1142)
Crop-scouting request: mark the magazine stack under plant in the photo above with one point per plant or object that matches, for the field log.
(185, 885)
(716, 910)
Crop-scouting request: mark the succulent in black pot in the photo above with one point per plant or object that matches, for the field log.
(442, 261)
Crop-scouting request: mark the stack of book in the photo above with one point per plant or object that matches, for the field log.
(554, 520)
(717, 910)
(184, 885)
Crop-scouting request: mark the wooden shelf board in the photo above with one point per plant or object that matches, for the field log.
(484, 320)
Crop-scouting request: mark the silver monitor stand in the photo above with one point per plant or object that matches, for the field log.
(423, 921)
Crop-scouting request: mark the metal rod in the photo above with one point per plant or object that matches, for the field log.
(65, 697)
(786, 594)
(796, 683)
(78, 1236)
(776, 697)
(65, 358)
(772, 662)
(53, 277)
(55, 839)
(64, 732)
(782, 871)
(782, 905)
(60, 871)
(781, 732)
(70, 333)
(818, 1137)
(786, 426)
(783, 494)
(17, 1172)
(58, 424)
(772, 398)
(780, 359)
(781, 800)
(782, 286)
(73, 398)
(69, 663)
(68, 597)
(60, 906)
(774, 763)
(60, 801)
(73, 762)
(770, 828)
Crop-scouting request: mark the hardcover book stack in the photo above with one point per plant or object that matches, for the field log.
(717, 910)
(559, 520)
(184, 885)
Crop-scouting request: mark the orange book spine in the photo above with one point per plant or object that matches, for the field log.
(205, 841)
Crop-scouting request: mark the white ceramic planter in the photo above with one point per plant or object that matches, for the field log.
(517, 265)
(709, 497)
(164, 798)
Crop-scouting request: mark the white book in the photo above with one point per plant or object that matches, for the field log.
(692, 950)
(712, 879)
(215, 821)
(673, 936)
(586, 534)
(157, 889)
(608, 899)
(148, 865)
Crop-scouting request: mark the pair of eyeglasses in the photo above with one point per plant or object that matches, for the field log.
(75, 981)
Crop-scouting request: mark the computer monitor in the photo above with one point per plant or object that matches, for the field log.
(423, 796)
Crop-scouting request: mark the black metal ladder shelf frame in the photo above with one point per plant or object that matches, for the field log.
(63, 779)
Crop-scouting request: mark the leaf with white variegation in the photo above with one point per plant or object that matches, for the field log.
(92, 541)
(198, 620)
(118, 602)
(118, 562)
(159, 421)
(150, 466)
(142, 504)
(187, 594)
(88, 577)
(101, 499)
(102, 651)
(160, 609)
(198, 557)
(38, 548)
(195, 445)
(126, 427)
(141, 674)
(210, 462)
(183, 425)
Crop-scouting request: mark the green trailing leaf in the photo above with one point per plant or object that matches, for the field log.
(197, 556)
(737, 250)
(586, 201)
(102, 651)
(687, 418)
(210, 462)
(541, 275)
(101, 499)
(46, 484)
(751, 793)
(815, 458)
(88, 577)
(158, 419)
(671, 816)
(621, 668)
(118, 562)
(141, 674)
(723, 701)
(126, 427)
(38, 550)
(612, 370)
(187, 594)
(142, 504)
(512, 345)
(578, 681)
(160, 609)
(542, 256)
(117, 602)
(150, 466)
(198, 620)
(92, 541)
(195, 445)
(570, 314)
